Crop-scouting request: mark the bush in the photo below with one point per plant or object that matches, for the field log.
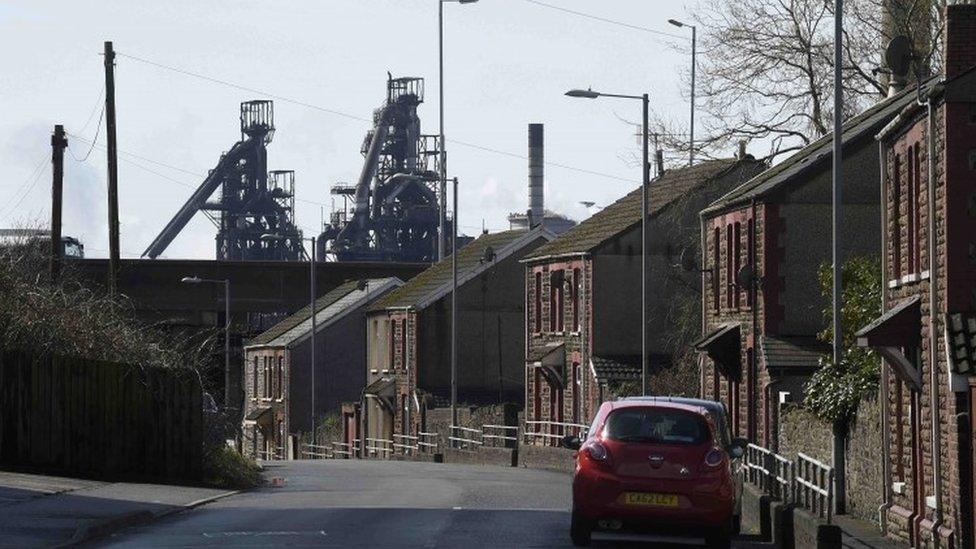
(225, 467)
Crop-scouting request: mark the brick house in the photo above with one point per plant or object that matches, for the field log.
(582, 293)
(927, 334)
(277, 378)
(763, 243)
(408, 366)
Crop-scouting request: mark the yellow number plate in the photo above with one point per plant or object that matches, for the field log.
(650, 498)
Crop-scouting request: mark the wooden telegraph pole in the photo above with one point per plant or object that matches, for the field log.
(58, 143)
(113, 170)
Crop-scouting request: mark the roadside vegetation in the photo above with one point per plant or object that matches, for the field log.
(69, 318)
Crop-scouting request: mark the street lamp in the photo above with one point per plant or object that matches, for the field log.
(226, 283)
(691, 138)
(454, 306)
(311, 307)
(645, 182)
(442, 194)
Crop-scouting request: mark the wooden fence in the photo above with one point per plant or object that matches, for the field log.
(100, 419)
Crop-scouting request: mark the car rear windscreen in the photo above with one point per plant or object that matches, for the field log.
(656, 425)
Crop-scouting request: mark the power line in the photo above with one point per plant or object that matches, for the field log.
(354, 117)
(31, 180)
(98, 129)
(605, 20)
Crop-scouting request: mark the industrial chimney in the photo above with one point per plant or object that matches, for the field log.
(536, 175)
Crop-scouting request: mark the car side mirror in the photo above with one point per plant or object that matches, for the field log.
(571, 442)
(737, 448)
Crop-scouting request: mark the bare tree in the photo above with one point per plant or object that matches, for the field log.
(765, 67)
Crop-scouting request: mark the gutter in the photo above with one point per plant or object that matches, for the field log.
(704, 304)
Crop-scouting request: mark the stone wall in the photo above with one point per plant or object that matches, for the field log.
(801, 431)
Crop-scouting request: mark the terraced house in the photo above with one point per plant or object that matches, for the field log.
(583, 294)
(278, 379)
(409, 336)
(927, 334)
(763, 244)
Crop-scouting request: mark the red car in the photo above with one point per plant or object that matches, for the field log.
(657, 465)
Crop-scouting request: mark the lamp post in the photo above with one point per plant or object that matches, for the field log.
(442, 194)
(645, 182)
(454, 307)
(839, 458)
(226, 283)
(691, 137)
(311, 307)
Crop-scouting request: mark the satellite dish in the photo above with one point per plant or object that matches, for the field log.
(746, 276)
(898, 55)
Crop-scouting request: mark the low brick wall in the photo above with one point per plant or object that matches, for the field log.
(801, 431)
(546, 457)
(810, 531)
(502, 457)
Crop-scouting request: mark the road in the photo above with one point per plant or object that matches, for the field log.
(340, 503)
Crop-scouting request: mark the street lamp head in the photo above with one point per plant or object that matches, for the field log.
(191, 280)
(587, 93)
(676, 23)
(467, 1)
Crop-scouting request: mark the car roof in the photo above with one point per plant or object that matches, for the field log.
(710, 405)
(666, 404)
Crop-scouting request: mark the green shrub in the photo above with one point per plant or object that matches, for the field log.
(224, 467)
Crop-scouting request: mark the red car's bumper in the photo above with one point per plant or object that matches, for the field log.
(709, 503)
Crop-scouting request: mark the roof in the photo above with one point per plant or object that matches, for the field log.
(538, 353)
(328, 308)
(380, 387)
(792, 352)
(618, 368)
(897, 327)
(961, 341)
(625, 213)
(435, 282)
(864, 125)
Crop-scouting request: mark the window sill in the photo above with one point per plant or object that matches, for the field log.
(909, 279)
(898, 488)
(930, 502)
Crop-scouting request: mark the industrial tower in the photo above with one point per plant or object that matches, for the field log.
(391, 214)
(254, 213)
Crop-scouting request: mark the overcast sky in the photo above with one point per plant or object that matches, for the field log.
(508, 63)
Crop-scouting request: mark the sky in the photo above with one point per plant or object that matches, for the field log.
(507, 64)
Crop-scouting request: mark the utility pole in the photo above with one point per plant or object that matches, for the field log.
(454, 309)
(311, 352)
(840, 428)
(58, 143)
(113, 170)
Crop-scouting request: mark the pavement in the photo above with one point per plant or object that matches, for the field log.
(361, 503)
(47, 511)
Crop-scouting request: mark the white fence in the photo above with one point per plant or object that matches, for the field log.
(806, 482)
(550, 432)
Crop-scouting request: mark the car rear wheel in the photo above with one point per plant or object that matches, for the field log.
(580, 530)
(720, 539)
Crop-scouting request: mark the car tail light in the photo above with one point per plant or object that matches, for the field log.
(596, 451)
(714, 457)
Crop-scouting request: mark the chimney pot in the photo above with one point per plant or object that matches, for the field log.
(536, 174)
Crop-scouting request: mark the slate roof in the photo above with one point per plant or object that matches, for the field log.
(435, 282)
(625, 213)
(961, 332)
(541, 352)
(618, 368)
(330, 305)
(792, 352)
(864, 125)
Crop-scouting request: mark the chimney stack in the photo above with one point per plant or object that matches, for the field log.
(659, 162)
(741, 155)
(960, 39)
(536, 175)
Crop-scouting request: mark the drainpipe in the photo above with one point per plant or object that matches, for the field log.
(754, 290)
(704, 305)
(933, 333)
(883, 388)
(584, 330)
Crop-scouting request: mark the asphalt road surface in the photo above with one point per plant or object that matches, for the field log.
(354, 503)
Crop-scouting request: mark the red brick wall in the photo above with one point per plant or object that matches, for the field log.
(960, 39)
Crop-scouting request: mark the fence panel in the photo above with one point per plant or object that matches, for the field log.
(815, 486)
(99, 418)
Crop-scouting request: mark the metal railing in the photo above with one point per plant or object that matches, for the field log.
(756, 462)
(465, 438)
(344, 450)
(499, 435)
(406, 444)
(550, 432)
(379, 447)
(428, 442)
(316, 451)
(277, 453)
(815, 486)
(771, 472)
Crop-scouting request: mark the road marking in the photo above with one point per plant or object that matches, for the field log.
(259, 533)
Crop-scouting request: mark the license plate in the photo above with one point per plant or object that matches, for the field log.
(650, 498)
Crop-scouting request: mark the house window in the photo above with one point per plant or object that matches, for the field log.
(729, 273)
(576, 300)
(896, 219)
(403, 343)
(716, 298)
(266, 374)
(576, 392)
(254, 380)
(751, 258)
(972, 113)
(736, 258)
(281, 378)
(538, 301)
(899, 430)
(556, 296)
(537, 390)
(392, 327)
(972, 160)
